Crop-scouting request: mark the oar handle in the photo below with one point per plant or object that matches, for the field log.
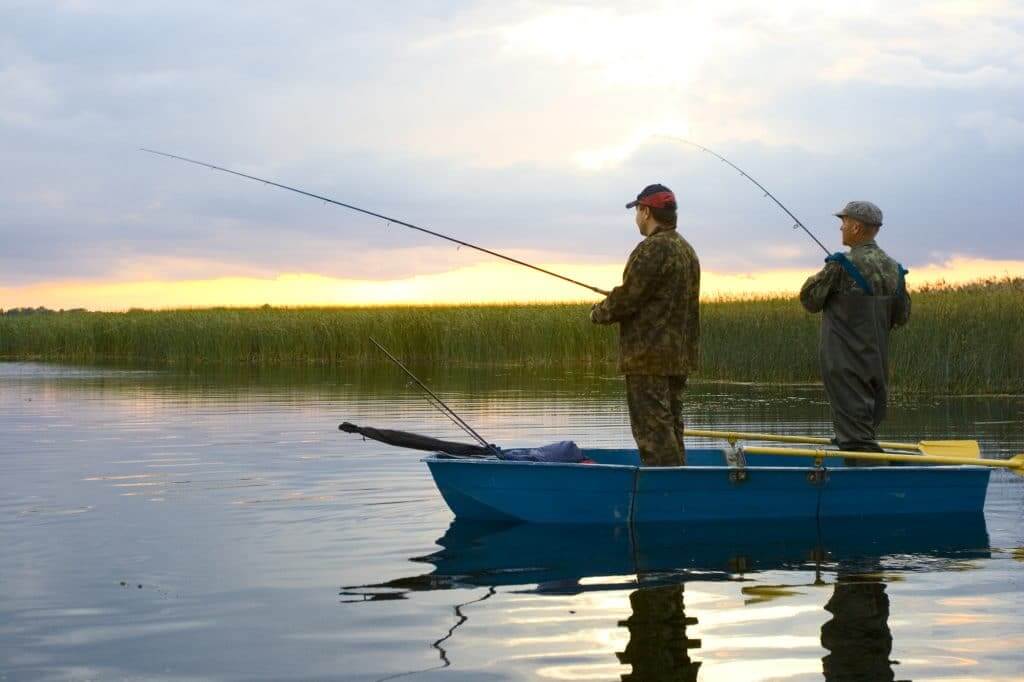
(733, 436)
(746, 435)
(1015, 464)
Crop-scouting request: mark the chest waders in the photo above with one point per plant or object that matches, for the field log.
(854, 356)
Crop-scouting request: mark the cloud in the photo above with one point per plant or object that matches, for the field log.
(520, 126)
(997, 130)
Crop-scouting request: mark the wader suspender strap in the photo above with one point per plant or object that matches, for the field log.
(901, 285)
(852, 271)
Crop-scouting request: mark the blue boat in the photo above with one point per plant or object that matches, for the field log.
(616, 489)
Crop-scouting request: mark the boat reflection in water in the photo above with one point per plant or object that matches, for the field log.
(655, 561)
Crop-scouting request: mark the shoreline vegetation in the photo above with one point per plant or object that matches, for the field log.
(960, 339)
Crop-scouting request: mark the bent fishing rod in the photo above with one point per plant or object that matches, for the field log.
(389, 219)
(759, 185)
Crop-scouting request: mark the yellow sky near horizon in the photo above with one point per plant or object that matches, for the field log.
(479, 283)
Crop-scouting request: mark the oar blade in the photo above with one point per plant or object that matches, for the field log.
(1016, 464)
(951, 448)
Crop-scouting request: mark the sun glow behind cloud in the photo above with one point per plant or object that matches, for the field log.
(644, 56)
(600, 158)
(656, 49)
(480, 283)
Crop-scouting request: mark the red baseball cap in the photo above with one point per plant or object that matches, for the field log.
(654, 196)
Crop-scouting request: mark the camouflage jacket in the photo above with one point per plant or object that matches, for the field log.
(656, 307)
(880, 271)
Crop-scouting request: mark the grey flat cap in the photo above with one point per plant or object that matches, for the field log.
(864, 211)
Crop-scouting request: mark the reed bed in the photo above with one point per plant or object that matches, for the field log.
(966, 339)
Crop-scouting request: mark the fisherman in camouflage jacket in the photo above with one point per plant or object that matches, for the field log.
(656, 308)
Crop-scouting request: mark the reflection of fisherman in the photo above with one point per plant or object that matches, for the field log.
(658, 647)
(862, 296)
(657, 311)
(858, 637)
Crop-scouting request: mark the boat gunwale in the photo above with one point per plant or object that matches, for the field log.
(431, 459)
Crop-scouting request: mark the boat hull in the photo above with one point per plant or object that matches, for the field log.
(616, 490)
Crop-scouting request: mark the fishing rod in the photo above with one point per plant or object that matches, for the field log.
(381, 216)
(759, 185)
(445, 410)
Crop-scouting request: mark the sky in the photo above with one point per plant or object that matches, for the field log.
(520, 126)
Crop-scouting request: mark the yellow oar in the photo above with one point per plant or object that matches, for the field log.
(1014, 464)
(939, 448)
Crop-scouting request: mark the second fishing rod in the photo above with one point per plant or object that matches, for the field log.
(769, 195)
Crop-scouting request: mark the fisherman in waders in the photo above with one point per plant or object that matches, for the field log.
(862, 296)
(657, 312)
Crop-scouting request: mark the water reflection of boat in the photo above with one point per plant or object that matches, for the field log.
(578, 558)
(655, 561)
(615, 490)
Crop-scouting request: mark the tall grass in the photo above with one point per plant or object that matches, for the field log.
(959, 340)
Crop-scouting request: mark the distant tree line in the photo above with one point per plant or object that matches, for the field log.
(40, 311)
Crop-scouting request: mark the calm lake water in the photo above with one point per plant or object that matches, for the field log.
(168, 526)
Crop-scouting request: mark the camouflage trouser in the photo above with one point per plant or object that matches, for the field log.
(658, 643)
(656, 415)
